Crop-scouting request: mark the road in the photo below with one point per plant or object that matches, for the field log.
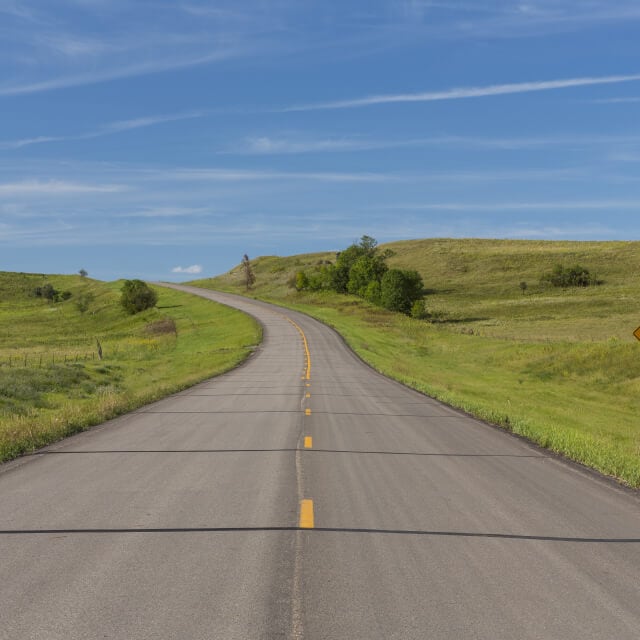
(306, 496)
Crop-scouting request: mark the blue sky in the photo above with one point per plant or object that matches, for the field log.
(162, 139)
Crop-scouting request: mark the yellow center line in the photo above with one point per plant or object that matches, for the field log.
(308, 395)
(308, 442)
(306, 514)
(307, 412)
(306, 348)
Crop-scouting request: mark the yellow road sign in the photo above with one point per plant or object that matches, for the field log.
(636, 333)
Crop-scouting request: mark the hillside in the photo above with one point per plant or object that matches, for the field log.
(558, 366)
(52, 380)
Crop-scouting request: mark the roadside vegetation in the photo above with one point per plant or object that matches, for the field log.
(555, 363)
(70, 362)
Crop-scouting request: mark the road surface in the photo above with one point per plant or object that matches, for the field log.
(305, 496)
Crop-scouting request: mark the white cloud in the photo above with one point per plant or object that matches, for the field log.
(56, 187)
(107, 129)
(193, 269)
(616, 100)
(560, 205)
(124, 71)
(466, 92)
(242, 175)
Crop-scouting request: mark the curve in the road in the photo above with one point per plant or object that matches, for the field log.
(280, 501)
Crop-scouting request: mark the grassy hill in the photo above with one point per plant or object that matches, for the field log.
(560, 367)
(52, 381)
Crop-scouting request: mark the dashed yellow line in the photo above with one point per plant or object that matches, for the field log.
(308, 442)
(307, 412)
(306, 514)
(308, 395)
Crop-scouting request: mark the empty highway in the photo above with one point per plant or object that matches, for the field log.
(303, 495)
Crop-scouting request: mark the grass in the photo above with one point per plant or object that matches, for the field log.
(52, 382)
(560, 368)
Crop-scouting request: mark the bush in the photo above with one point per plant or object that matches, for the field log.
(399, 289)
(302, 281)
(564, 277)
(137, 296)
(419, 310)
(83, 301)
(49, 292)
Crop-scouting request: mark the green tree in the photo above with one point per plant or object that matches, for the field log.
(137, 296)
(370, 261)
(302, 281)
(576, 276)
(399, 289)
(366, 269)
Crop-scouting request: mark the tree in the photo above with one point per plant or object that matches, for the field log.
(564, 277)
(366, 269)
(302, 281)
(399, 289)
(137, 296)
(49, 292)
(248, 275)
(523, 286)
(370, 265)
(83, 273)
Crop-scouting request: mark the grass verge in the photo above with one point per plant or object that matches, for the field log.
(52, 383)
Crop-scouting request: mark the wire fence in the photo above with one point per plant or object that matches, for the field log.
(39, 360)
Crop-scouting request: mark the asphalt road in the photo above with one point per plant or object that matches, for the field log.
(212, 515)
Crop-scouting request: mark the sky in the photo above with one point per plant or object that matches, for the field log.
(165, 139)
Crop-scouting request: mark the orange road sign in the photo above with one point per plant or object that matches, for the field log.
(636, 333)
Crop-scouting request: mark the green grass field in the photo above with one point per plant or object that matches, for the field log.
(560, 367)
(52, 382)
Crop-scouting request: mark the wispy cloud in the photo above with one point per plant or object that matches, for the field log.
(265, 145)
(462, 93)
(290, 144)
(107, 129)
(629, 100)
(56, 187)
(247, 175)
(193, 269)
(560, 205)
(119, 72)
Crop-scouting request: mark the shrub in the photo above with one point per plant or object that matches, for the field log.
(137, 296)
(564, 277)
(399, 289)
(372, 292)
(49, 292)
(83, 301)
(419, 310)
(302, 281)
